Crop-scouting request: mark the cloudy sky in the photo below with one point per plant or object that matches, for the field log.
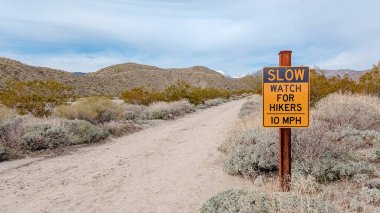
(237, 37)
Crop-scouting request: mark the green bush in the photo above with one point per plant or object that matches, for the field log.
(35, 97)
(92, 109)
(370, 81)
(141, 96)
(84, 132)
(321, 86)
(44, 136)
(176, 92)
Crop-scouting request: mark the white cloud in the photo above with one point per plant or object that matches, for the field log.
(82, 35)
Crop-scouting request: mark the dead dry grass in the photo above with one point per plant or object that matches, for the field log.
(6, 114)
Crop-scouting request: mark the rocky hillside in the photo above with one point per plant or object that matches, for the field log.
(14, 69)
(114, 79)
(355, 75)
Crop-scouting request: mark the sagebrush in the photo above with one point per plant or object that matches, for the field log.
(92, 109)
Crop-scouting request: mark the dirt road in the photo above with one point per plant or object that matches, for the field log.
(172, 167)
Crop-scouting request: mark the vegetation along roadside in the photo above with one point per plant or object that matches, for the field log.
(44, 117)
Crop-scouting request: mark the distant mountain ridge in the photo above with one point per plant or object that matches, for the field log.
(114, 79)
(354, 74)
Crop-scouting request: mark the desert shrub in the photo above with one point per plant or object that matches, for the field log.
(370, 81)
(256, 201)
(120, 128)
(10, 137)
(242, 162)
(321, 86)
(195, 95)
(81, 132)
(6, 114)
(252, 160)
(201, 106)
(326, 151)
(2, 153)
(360, 178)
(249, 107)
(244, 137)
(339, 126)
(180, 108)
(200, 95)
(158, 110)
(35, 97)
(92, 109)
(331, 168)
(254, 82)
(133, 112)
(44, 136)
(329, 160)
(141, 96)
(305, 184)
(304, 142)
(372, 195)
(373, 155)
(215, 102)
(251, 150)
(349, 139)
(237, 201)
(25, 134)
(178, 91)
(358, 111)
(165, 110)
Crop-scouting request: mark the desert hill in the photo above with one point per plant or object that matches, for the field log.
(132, 75)
(116, 78)
(14, 69)
(354, 74)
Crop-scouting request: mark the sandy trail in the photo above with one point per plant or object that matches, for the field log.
(172, 167)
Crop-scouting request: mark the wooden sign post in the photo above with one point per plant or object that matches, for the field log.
(286, 95)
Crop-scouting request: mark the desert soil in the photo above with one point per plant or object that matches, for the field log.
(171, 167)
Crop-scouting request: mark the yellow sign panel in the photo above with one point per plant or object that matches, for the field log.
(286, 94)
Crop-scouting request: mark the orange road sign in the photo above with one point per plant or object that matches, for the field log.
(286, 96)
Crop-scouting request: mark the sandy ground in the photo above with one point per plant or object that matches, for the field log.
(172, 167)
